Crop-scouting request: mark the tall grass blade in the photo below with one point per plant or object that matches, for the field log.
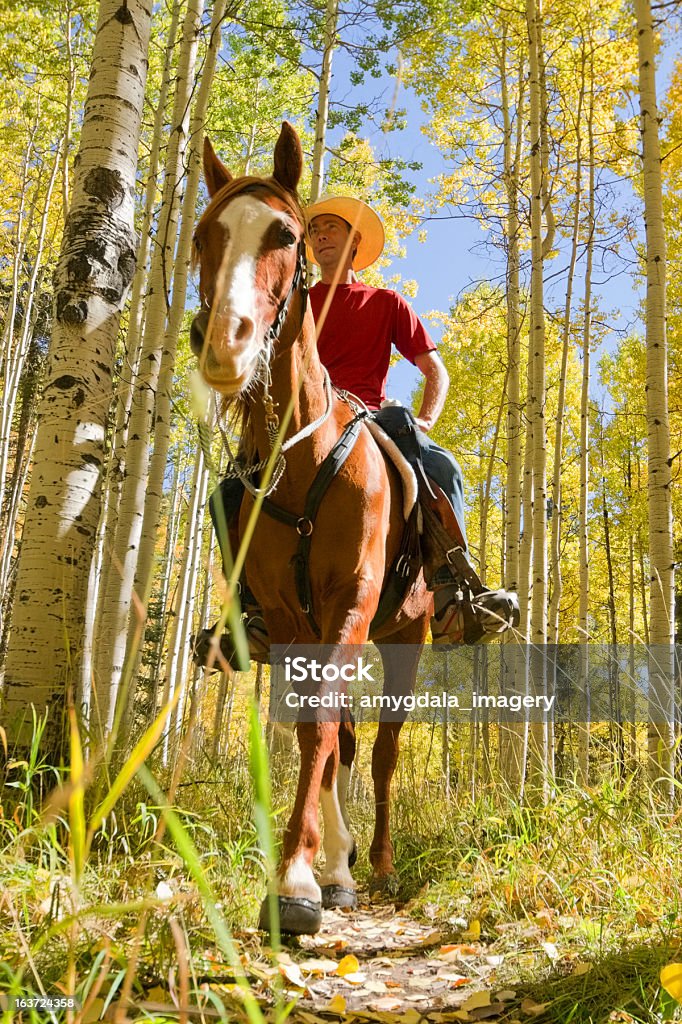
(262, 813)
(77, 800)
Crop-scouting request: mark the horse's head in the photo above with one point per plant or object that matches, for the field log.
(249, 247)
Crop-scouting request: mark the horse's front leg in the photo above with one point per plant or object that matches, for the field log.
(299, 896)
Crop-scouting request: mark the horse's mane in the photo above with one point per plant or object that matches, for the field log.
(235, 406)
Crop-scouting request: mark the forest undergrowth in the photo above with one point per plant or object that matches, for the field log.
(572, 906)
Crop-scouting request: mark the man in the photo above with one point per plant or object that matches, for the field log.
(357, 327)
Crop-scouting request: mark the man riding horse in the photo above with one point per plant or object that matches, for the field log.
(323, 558)
(357, 326)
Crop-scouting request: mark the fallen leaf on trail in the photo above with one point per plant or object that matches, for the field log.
(532, 1008)
(485, 1012)
(544, 918)
(495, 960)
(348, 965)
(292, 972)
(420, 982)
(505, 995)
(454, 952)
(337, 1004)
(581, 968)
(551, 951)
(475, 1000)
(671, 980)
(432, 939)
(454, 979)
(319, 966)
(377, 987)
(387, 1003)
(355, 978)
(473, 932)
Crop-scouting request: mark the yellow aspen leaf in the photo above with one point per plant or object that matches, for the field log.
(337, 1004)
(292, 972)
(671, 980)
(473, 932)
(532, 1008)
(348, 965)
(476, 1000)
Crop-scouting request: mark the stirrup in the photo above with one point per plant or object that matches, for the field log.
(205, 655)
(466, 618)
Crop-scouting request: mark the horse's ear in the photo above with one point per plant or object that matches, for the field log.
(288, 158)
(215, 171)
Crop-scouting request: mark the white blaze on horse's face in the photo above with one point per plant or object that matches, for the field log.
(242, 308)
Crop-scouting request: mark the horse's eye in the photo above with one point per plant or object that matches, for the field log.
(286, 237)
(197, 245)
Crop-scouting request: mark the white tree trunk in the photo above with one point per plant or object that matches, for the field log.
(17, 355)
(178, 649)
(661, 559)
(162, 413)
(538, 759)
(584, 496)
(93, 275)
(131, 362)
(331, 17)
(113, 626)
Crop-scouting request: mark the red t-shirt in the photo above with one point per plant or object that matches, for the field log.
(361, 325)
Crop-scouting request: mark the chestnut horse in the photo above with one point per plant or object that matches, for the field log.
(255, 339)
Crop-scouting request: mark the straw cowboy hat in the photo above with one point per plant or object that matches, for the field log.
(361, 218)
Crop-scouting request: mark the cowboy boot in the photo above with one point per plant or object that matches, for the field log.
(464, 610)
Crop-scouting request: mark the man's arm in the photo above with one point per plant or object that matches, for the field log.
(435, 388)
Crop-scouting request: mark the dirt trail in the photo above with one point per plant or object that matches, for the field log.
(378, 962)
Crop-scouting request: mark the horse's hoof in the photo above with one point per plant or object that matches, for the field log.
(353, 855)
(297, 915)
(338, 896)
(386, 886)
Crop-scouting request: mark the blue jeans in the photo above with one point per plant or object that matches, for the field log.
(441, 465)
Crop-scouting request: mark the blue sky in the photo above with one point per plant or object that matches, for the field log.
(453, 258)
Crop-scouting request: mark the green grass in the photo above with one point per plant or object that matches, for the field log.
(596, 874)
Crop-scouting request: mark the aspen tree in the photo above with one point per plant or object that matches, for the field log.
(178, 648)
(536, 360)
(15, 365)
(163, 405)
(584, 494)
(331, 16)
(15, 355)
(556, 579)
(661, 560)
(113, 625)
(95, 269)
(131, 361)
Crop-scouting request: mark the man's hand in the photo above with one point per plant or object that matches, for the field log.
(423, 423)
